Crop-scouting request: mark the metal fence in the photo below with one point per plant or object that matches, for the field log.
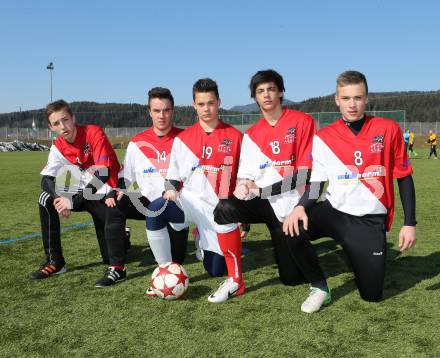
(123, 132)
(25, 134)
(323, 119)
(240, 121)
(422, 128)
(29, 134)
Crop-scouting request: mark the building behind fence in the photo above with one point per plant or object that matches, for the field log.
(241, 121)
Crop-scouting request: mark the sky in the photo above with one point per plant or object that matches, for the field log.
(115, 51)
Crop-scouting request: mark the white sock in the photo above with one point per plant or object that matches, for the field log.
(159, 241)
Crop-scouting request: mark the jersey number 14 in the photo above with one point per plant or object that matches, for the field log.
(161, 156)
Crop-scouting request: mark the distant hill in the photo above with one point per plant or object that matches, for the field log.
(253, 107)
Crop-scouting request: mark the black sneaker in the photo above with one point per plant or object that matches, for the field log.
(47, 270)
(111, 276)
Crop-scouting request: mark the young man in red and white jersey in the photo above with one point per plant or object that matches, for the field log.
(275, 161)
(87, 154)
(359, 156)
(146, 163)
(203, 168)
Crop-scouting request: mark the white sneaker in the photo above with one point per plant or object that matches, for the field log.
(229, 288)
(317, 298)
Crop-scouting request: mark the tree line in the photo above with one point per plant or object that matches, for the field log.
(103, 114)
(419, 107)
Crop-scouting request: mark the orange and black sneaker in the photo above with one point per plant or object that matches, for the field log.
(47, 270)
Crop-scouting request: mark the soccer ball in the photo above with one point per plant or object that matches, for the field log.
(169, 281)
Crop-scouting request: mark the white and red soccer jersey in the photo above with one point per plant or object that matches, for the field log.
(90, 150)
(269, 154)
(206, 163)
(360, 168)
(147, 159)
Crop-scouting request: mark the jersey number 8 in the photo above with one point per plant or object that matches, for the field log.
(358, 158)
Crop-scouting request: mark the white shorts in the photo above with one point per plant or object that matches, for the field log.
(201, 214)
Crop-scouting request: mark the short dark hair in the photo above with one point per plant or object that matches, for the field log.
(56, 107)
(351, 78)
(266, 76)
(205, 85)
(162, 93)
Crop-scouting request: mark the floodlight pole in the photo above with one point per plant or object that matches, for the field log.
(50, 67)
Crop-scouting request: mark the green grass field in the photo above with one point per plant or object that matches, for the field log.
(67, 316)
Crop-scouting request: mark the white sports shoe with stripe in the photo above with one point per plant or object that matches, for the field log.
(227, 289)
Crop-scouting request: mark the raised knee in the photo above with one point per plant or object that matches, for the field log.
(157, 206)
(155, 217)
(114, 216)
(155, 223)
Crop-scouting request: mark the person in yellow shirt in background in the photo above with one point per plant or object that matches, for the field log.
(411, 145)
(406, 139)
(432, 140)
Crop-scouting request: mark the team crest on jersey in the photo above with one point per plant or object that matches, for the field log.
(377, 144)
(86, 149)
(225, 146)
(289, 138)
(378, 138)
